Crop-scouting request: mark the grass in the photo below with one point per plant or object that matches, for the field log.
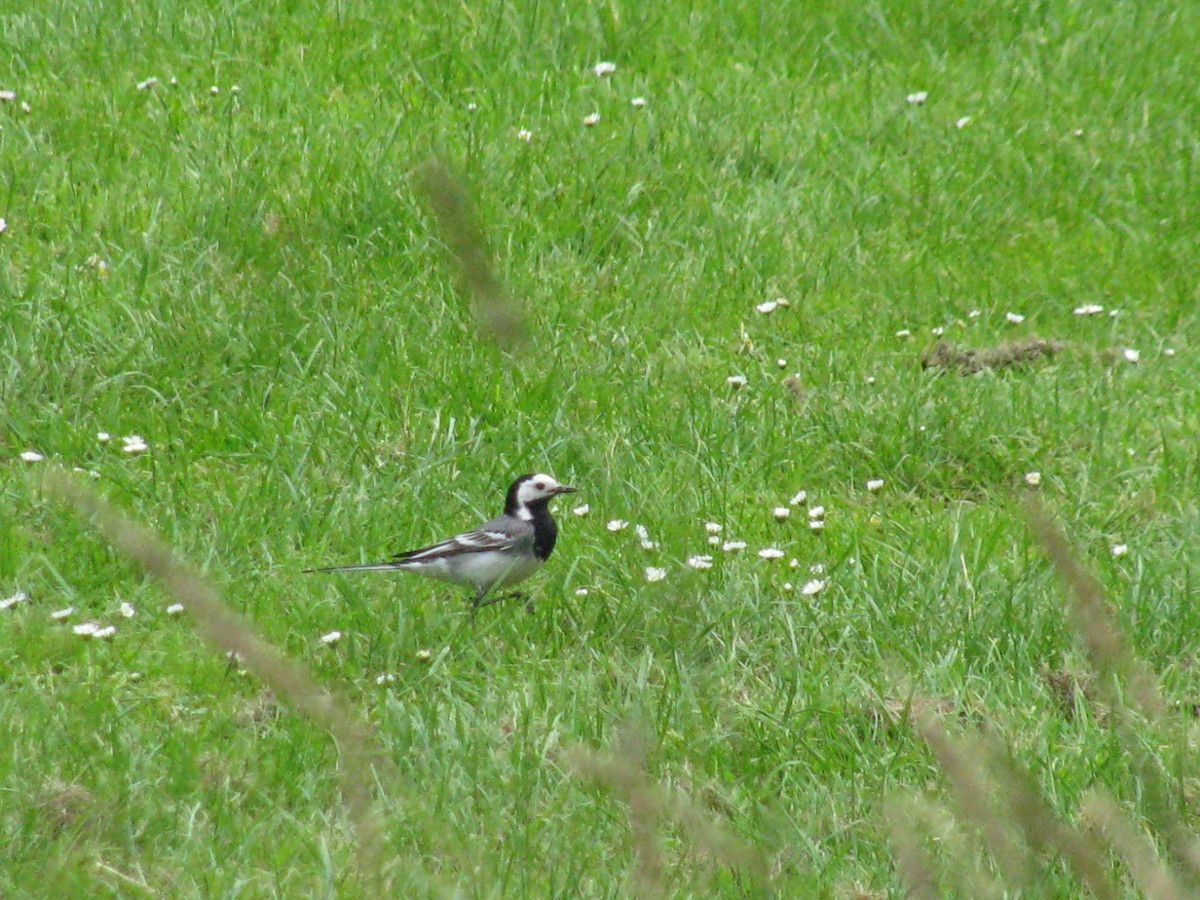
(255, 282)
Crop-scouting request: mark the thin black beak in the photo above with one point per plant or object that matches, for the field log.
(565, 489)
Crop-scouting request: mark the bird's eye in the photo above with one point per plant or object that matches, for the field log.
(541, 485)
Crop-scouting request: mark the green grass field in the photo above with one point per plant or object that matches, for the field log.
(237, 263)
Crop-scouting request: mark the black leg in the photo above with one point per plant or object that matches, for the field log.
(482, 601)
(477, 600)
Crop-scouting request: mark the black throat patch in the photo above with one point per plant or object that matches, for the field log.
(545, 532)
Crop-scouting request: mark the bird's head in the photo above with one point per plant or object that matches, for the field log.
(533, 490)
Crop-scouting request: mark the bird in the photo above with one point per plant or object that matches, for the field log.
(499, 553)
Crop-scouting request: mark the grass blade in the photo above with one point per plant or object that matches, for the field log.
(361, 756)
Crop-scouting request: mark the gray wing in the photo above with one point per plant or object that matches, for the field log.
(498, 534)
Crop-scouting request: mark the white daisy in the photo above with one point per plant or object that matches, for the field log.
(700, 562)
(655, 574)
(18, 597)
(644, 538)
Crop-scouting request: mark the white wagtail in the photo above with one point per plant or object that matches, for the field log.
(500, 552)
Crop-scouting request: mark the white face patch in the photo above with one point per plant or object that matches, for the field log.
(539, 487)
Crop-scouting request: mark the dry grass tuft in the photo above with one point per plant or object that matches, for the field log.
(498, 313)
(361, 756)
(1153, 877)
(915, 827)
(971, 360)
(1122, 677)
(262, 709)
(64, 804)
(652, 805)
(1072, 693)
(894, 712)
(999, 820)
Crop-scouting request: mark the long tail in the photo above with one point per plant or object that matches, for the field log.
(361, 567)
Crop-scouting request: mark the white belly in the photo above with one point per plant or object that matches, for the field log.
(478, 570)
